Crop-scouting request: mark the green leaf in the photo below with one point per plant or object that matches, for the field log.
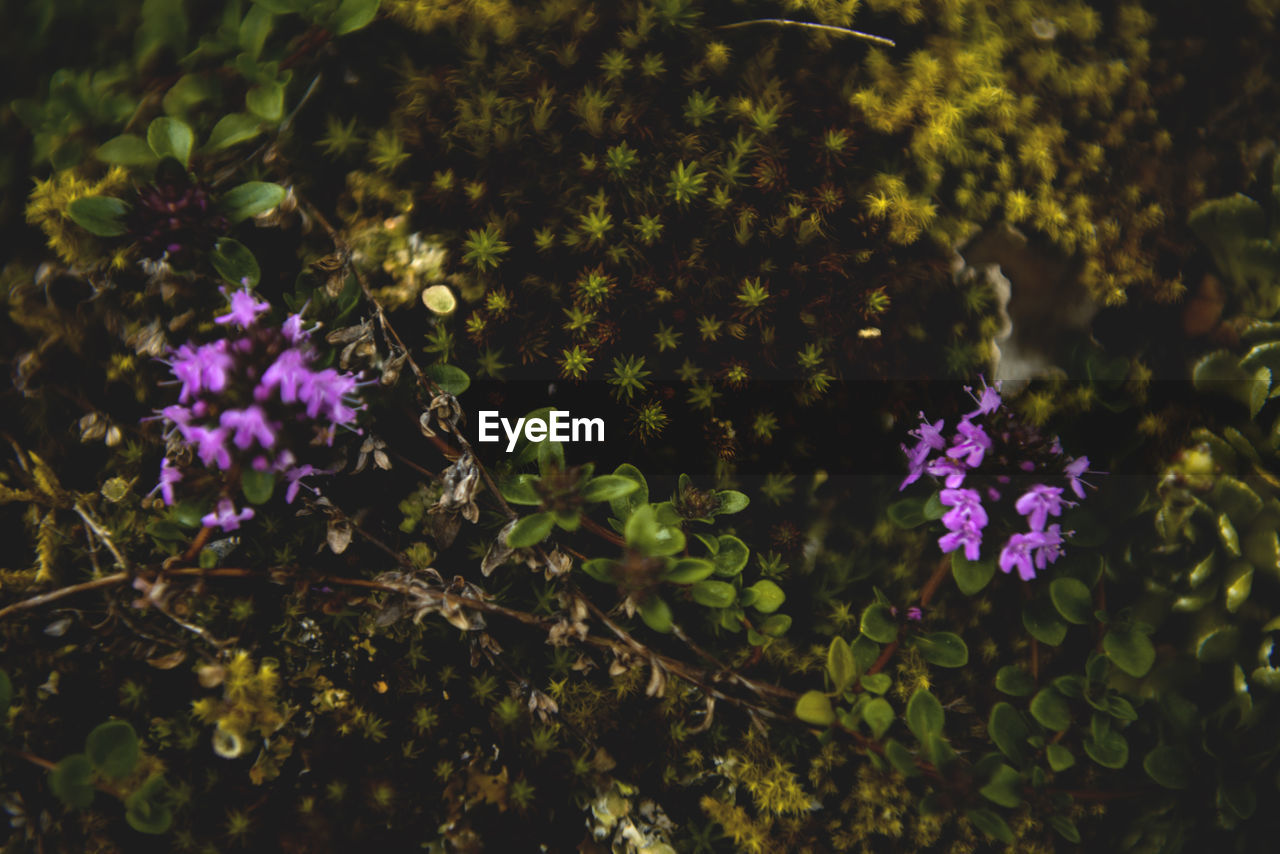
(907, 513)
(235, 263)
(1130, 650)
(70, 780)
(1003, 787)
(1071, 597)
(945, 649)
(1008, 731)
(448, 378)
(250, 199)
(769, 596)
(1111, 750)
(971, 575)
(520, 490)
(353, 15)
(990, 823)
(1014, 681)
(171, 138)
(112, 747)
(1060, 759)
(100, 215)
(900, 758)
(1170, 767)
(688, 570)
(841, 666)
(924, 714)
(714, 594)
(601, 569)
(645, 535)
(1238, 797)
(1050, 708)
(1066, 828)
(730, 501)
(163, 24)
(1041, 619)
(266, 101)
(190, 90)
(731, 556)
(879, 716)
(127, 150)
(876, 683)
(656, 614)
(531, 530)
(257, 485)
(232, 129)
(608, 487)
(254, 29)
(776, 625)
(146, 810)
(878, 623)
(622, 507)
(814, 707)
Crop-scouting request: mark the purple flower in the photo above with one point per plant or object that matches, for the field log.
(201, 369)
(930, 436)
(967, 509)
(294, 476)
(969, 537)
(1039, 503)
(1074, 470)
(289, 372)
(226, 517)
(974, 444)
(1051, 549)
(244, 309)
(952, 470)
(988, 401)
(169, 475)
(323, 392)
(1017, 552)
(914, 613)
(211, 445)
(293, 330)
(249, 424)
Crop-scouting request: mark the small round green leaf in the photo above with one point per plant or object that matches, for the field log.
(112, 747)
(146, 809)
(601, 569)
(1014, 681)
(1130, 650)
(876, 683)
(235, 263)
(1051, 710)
(714, 594)
(1066, 828)
(945, 649)
(353, 15)
(608, 487)
(171, 138)
(520, 490)
(257, 486)
(1003, 787)
(656, 614)
(775, 625)
(769, 596)
(688, 570)
(100, 215)
(730, 501)
(842, 668)
(1041, 619)
(621, 507)
(1111, 750)
(1170, 767)
(71, 780)
(814, 707)
(232, 129)
(266, 100)
(448, 378)
(990, 823)
(879, 716)
(731, 555)
(907, 513)
(1060, 759)
(924, 714)
(127, 150)
(530, 530)
(250, 199)
(1008, 731)
(971, 575)
(1071, 597)
(879, 624)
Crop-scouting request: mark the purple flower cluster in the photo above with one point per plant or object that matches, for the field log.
(975, 466)
(246, 399)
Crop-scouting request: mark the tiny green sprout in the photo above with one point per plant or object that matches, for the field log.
(688, 371)
(752, 294)
(593, 287)
(489, 363)
(440, 341)
(586, 162)
(335, 791)
(652, 66)
(648, 229)
(702, 396)
(595, 225)
(474, 191)
(484, 687)
(574, 363)
(614, 65)
(386, 150)
(339, 138)
(508, 711)
(766, 119)
(810, 357)
(686, 182)
(778, 487)
(443, 770)
(700, 107)
(238, 825)
(382, 796)
(443, 182)
(720, 198)
(542, 740)
(373, 728)
(834, 141)
(544, 239)
(709, 327)
(620, 159)
(876, 302)
(132, 695)
(580, 320)
(521, 793)
(764, 425)
(484, 249)
(628, 376)
(424, 719)
(650, 420)
(666, 337)
(736, 375)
